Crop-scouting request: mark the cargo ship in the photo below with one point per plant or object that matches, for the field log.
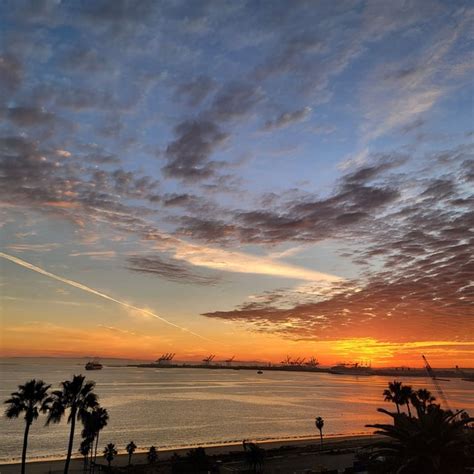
(94, 365)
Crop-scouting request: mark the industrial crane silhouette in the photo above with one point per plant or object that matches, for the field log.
(229, 361)
(207, 360)
(432, 374)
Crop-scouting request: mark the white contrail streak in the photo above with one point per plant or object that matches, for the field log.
(75, 284)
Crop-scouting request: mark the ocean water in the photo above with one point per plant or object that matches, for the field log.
(184, 407)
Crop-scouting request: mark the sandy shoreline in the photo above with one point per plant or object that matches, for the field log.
(41, 466)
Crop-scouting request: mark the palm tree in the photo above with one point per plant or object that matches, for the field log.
(99, 419)
(131, 447)
(85, 449)
(319, 422)
(394, 394)
(109, 453)
(152, 455)
(78, 396)
(406, 394)
(424, 397)
(30, 399)
(435, 442)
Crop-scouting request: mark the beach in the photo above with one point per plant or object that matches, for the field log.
(283, 456)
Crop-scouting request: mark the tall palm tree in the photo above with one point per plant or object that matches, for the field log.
(99, 419)
(109, 453)
(319, 422)
(78, 397)
(394, 394)
(425, 398)
(30, 399)
(406, 394)
(131, 447)
(435, 442)
(85, 449)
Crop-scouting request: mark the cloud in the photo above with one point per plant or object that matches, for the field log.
(419, 268)
(28, 116)
(287, 118)
(196, 90)
(188, 155)
(170, 269)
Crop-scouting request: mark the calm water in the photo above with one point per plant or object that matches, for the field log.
(181, 407)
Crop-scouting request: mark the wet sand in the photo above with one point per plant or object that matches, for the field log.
(301, 454)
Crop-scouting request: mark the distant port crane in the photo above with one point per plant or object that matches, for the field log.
(229, 361)
(166, 358)
(299, 361)
(312, 362)
(207, 360)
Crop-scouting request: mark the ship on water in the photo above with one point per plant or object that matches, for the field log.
(355, 368)
(94, 365)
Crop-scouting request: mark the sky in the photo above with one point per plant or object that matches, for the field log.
(248, 178)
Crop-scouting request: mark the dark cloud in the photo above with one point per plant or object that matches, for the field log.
(287, 118)
(28, 116)
(11, 73)
(188, 155)
(195, 91)
(170, 269)
(171, 200)
(235, 101)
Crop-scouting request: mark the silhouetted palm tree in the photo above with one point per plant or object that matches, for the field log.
(394, 394)
(152, 455)
(109, 453)
(85, 449)
(78, 397)
(254, 456)
(30, 399)
(131, 447)
(406, 395)
(424, 398)
(435, 442)
(319, 422)
(99, 419)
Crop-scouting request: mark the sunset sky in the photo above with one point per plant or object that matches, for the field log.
(263, 178)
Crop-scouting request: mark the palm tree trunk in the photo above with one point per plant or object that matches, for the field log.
(321, 440)
(95, 450)
(129, 459)
(25, 446)
(398, 408)
(409, 411)
(71, 440)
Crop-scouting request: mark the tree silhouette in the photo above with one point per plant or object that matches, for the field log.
(109, 453)
(131, 447)
(85, 449)
(406, 393)
(79, 398)
(434, 442)
(422, 399)
(30, 399)
(99, 418)
(319, 422)
(394, 394)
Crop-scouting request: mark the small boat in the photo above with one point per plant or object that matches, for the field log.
(259, 372)
(94, 365)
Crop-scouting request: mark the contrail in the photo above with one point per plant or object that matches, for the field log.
(76, 284)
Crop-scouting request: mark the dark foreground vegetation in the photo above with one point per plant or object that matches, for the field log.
(420, 437)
